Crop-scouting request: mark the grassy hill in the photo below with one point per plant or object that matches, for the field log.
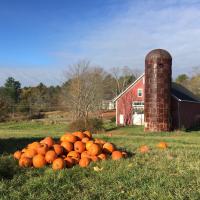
(161, 174)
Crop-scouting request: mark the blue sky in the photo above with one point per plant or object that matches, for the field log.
(39, 39)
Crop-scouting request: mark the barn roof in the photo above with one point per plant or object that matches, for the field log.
(183, 94)
(177, 91)
(117, 97)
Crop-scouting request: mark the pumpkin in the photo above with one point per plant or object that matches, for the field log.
(58, 149)
(39, 161)
(49, 141)
(88, 134)
(68, 146)
(99, 141)
(42, 149)
(62, 138)
(34, 145)
(125, 155)
(73, 154)
(79, 135)
(162, 145)
(88, 144)
(50, 156)
(58, 164)
(94, 158)
(144, 149)
(23, 150)
(69, 161)
(116, 155)
(79, 146)
(75, 160)
(85, 139)
(23, 155)
(94, 149)
(85, 154)
(17, 155)
(84, 162)
(108, 148)
(25, 162)
(30, 153)
(69, 138)
(102, 156)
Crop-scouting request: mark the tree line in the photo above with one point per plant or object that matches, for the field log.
(82, 93)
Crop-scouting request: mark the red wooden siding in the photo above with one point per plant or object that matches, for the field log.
(124, 103)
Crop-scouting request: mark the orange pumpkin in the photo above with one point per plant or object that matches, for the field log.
(102, 156)
(25, 162)
(58, 164)
(69, 162)
(116, 155)
(69, 138)
(49, 141)
(75, 160)
(30, 153)
(88, 134)
(79, 135)
(23, 150)
(85, 139)
(84, 162)
(88, 144)
(144, 149)
(39, 161)
(34, 145)
(42, 149)
(17, 155)
(94, 158)
(58, 149)
(85, 154)
(79, 146)
(68, 146)
(99, 141)
(50, 156)
(125, 155)
(94, 149)
(73, 154)
(108, 148)
(162, 145)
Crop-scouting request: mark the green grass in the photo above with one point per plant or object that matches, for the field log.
(162, 174)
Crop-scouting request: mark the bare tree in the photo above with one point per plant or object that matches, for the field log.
(123, 76)
(84, 91)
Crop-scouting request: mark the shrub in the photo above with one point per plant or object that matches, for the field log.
(93, 124)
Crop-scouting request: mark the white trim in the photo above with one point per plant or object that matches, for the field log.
(184, 100)
(128, 88)
(116, 113)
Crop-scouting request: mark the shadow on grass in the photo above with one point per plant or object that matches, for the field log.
(193, 129)
(10, 145)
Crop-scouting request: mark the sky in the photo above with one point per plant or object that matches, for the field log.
(39, 39)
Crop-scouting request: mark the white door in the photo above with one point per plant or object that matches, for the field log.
(138, 119)
(121, 119)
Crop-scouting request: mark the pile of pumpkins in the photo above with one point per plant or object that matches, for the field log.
(78, 148)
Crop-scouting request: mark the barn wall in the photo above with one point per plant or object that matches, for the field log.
(124, 103)
(189, 114)
(174, 114)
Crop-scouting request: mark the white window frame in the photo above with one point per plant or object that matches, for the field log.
(139, 90)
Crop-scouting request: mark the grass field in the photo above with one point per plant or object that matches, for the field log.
(161, 174)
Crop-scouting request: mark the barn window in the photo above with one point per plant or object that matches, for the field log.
(139, 92)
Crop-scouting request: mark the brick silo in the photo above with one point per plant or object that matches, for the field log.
(157, 101)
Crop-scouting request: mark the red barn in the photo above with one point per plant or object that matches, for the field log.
(185, 107)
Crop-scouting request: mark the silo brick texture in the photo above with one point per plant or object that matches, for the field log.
(157, 101)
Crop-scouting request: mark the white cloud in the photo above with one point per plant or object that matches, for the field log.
(127, 38)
